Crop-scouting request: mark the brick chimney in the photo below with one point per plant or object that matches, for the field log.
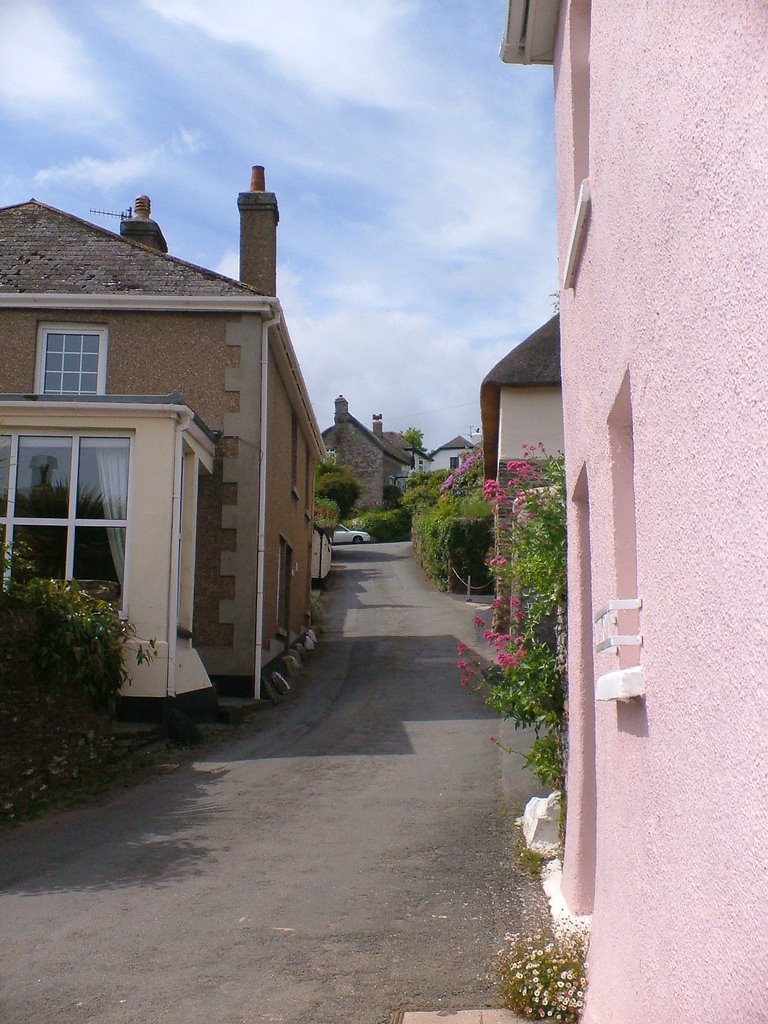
(258, 235)
(342, 410)
(378, 424)
(141, 228)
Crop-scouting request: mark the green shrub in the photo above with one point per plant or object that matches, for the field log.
(80, 639)
(422, 490)
(385, 525)
(339, 483)
(326, 513)
(392, 496)
(452, 548)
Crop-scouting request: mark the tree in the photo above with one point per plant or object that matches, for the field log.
(339, 483)
(414, 437)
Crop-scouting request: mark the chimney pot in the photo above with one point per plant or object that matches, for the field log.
(258, 235)
(141, 228)
(258, 179)
(142, 207)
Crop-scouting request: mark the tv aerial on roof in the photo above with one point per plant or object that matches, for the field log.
(123, 214)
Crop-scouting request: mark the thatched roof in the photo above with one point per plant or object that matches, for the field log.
(534, 363)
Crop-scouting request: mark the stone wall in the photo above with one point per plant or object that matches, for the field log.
(51, 739)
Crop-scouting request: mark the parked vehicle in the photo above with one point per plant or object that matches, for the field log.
(321, 555)
(343, 535)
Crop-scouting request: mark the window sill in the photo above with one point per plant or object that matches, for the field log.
(578, 231)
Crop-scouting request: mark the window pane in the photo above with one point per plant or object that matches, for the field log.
(102, 489)
(5, 466)
(99, 553)
(68, 358)
(42, 483)
(45, 547)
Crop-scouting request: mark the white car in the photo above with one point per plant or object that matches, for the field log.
(343, 535)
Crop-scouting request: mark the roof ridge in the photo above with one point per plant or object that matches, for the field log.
(115, 237)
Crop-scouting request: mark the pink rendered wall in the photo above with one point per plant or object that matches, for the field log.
(671, 292)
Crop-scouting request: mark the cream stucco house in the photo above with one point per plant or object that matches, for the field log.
(159, 441)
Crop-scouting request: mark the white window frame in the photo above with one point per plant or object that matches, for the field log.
(9, 520)
(61, 328)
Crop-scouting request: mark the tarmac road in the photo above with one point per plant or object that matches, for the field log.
(347, 857)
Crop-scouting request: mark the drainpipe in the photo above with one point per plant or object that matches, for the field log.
(173, 582)
(262, 528)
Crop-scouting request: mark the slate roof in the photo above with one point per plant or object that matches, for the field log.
(534, 363)
(388, 447)
(399, 444)
(43, 249)
(457, 443)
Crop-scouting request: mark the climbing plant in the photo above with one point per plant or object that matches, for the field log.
(527, 681)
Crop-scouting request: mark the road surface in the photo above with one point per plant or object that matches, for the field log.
(347, 857)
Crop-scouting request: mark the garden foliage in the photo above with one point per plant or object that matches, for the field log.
(337, 482)
(79, 639)
(452, 525)
(384, 525)
(527, 681)
(544, 977)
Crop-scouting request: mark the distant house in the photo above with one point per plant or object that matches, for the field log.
(158, 440)
(376, 460)
(420, 459)
(521, 408)
(521, 401)
(451, 454)
(661, 169)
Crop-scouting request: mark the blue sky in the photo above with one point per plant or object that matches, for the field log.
(414, 171)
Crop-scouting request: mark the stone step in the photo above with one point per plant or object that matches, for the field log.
(236, 709)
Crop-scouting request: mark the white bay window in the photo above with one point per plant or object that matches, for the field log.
(64, 503)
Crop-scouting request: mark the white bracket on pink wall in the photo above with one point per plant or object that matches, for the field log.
(607, 620)
(578, 230)
(623, 683)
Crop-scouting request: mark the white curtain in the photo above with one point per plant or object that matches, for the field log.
(112, 455)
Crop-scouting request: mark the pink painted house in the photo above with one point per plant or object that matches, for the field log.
(662, 162)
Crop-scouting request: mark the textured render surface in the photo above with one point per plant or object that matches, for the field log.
(530, 416)
(671, 290)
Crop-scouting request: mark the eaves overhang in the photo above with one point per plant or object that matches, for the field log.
(139, 302)
(530, 32)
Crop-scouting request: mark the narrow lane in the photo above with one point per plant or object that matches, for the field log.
(349, 856)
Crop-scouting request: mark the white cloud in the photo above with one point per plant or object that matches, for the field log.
(406, 365)
(108, 174)
(229, 264)
(341, 49)
(103, 174)
(44, 68)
